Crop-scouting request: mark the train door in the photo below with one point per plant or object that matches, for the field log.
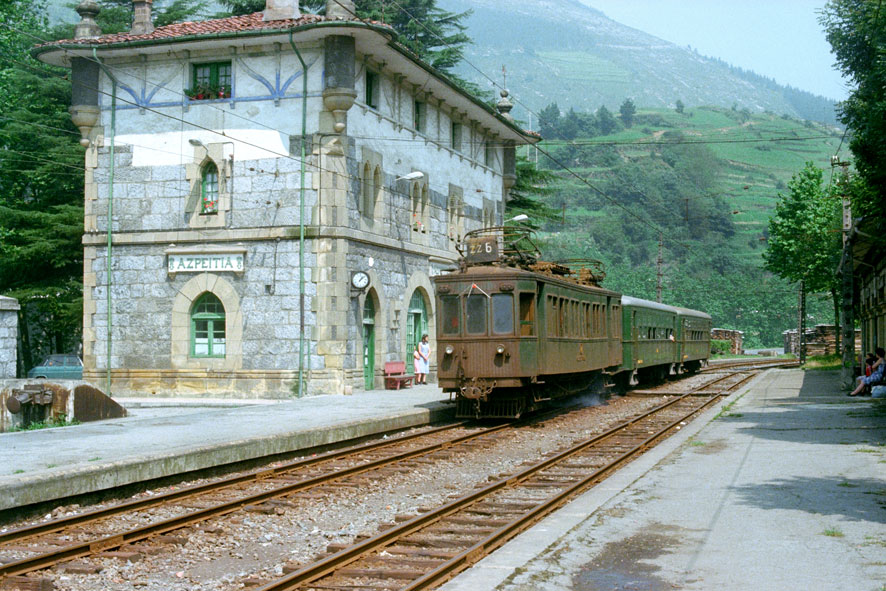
(635, 338)
(369, 343)
(416, 325)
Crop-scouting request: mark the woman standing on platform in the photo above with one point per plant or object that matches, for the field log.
(422, 364)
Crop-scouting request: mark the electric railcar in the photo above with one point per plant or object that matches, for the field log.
(514, 332)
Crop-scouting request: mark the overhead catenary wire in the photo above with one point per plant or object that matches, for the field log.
(319, 168)
(227, 137)
(230, 138)
(561, 164)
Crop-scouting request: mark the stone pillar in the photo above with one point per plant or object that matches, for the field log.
(330, 274)
(8, 336)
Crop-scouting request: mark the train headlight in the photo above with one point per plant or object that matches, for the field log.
(500, 349)
(449, 350)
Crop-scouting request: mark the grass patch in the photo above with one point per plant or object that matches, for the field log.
(726, 414)
(823, 362)
(19, 471)
(695, 443)
(847, 484)
(833, 532)
(59, 421)
(94, 459)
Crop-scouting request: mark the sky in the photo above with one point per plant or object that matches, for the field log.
(780, 39)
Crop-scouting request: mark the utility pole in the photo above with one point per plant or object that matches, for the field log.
(847, 318)
(801, 324)
(659, 270)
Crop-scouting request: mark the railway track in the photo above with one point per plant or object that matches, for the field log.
(430, 548)
(102, 532)
(64, 539)
(749, 364)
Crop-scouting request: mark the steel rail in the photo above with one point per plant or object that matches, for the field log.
(486, 546)
(755, 364)
(348, 555)
(252, 476)
(81, 549)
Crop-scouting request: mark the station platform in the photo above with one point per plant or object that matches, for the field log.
(165, 437)
(781, 487)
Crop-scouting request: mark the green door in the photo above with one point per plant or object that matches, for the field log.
(369, 343)
(416, 325)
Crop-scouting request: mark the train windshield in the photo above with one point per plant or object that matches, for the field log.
(451, 316)
(503, 313)
(476, 308)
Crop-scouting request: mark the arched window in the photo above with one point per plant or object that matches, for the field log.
(376, 189)
(207, 327)
(456, 216)
(416, 208)
(209, 189)
(367, 199)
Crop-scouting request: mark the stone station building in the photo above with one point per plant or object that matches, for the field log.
(238, 267)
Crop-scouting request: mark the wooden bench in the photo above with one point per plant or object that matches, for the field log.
(395, 375)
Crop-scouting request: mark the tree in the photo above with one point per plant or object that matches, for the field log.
(679, 106)
(856, 30)
(41, 190)
(606, 123)
(804, 234)
(549, 121)
(435, 35)
(116, 15)
(527, 194)
(627, 112)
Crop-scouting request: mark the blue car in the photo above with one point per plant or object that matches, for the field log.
(58, 367)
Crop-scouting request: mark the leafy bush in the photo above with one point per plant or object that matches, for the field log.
(720, 347)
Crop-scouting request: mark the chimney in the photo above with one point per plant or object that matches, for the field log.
(278, 10)
(142, 24)
(343, 9)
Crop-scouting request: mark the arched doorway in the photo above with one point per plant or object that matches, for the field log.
(369, 342)
(416, 325)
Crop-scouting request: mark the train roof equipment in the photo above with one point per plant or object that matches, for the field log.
(515, 246)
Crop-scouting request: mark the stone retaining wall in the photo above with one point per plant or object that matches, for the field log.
(8, 336)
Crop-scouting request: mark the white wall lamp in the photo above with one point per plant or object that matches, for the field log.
(518, 218)
(412, 176)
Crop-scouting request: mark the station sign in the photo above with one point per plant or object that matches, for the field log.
(206, 262)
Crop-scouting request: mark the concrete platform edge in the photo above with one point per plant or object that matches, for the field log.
(87, 478)
(495, 569)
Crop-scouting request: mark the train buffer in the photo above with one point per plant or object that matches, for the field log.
(395, 375)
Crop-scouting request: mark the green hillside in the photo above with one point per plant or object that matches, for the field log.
(707, 179)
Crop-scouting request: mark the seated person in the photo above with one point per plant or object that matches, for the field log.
(876, 373)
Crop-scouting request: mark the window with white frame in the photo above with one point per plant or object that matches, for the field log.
(209, 189)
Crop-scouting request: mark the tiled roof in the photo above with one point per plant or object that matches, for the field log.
(233, 24)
